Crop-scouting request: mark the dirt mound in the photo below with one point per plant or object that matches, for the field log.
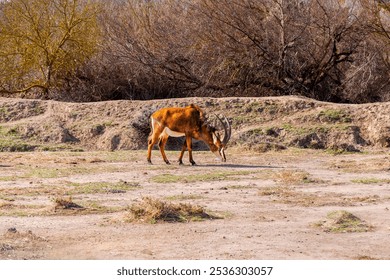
(258, 123)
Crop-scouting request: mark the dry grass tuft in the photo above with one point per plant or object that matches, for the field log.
(153, 210)
(6, 205)
(62, 203)
(293, 177)
(342, 221)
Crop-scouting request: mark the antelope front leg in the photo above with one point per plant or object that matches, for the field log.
(189, 147)
(183, 149)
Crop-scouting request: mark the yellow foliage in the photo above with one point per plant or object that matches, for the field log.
(43, 40)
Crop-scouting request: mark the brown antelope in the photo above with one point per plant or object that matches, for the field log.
(191, 123)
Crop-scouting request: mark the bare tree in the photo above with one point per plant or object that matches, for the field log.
(331, 50)
(370, 79)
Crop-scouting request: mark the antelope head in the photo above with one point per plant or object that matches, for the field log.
(213, 139)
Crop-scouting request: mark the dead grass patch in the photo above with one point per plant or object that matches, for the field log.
(364, 258)
(202, 177)
(35, 191)
(66, 203)
(342, 221)
(66, 206)
(6, 205)
(275, 191)
(20, 210)
(371, 181)
(102, 187)
(70, 188)
(368, 165)
(46, 172)
(30, 169)
(293, 177)
(59, 206)
(240, 187)
(152, 210)
(184, 197)
(289, 195)
(8, 178)
(262, 147)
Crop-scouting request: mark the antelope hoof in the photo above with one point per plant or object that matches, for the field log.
(193, 162)
(149, 161)
(180, 162)
(167, 162)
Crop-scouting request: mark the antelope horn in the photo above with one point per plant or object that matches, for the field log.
(227, 129)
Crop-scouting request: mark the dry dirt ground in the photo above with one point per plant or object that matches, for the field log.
(272, 205)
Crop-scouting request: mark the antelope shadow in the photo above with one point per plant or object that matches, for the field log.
(246, 166)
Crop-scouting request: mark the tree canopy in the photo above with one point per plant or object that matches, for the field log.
(41, 41)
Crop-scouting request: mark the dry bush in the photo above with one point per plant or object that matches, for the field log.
(153, 210)
(225, 48)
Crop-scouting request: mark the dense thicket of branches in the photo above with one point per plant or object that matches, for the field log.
(332, 50)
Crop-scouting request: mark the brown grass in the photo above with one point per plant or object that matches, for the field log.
(152, 210)
(63, 203)
(293, 177)
(289, 195)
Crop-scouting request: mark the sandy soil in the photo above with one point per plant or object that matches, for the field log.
(271, 205)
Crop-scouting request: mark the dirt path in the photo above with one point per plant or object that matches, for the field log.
(273, 205)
